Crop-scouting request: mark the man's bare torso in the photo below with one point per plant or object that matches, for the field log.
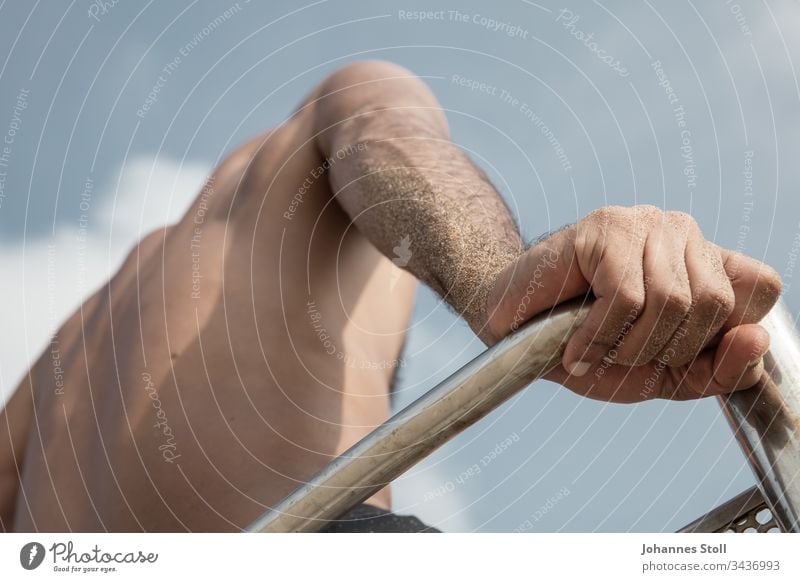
(238, 351)
(231, 356)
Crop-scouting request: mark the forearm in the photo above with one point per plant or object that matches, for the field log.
(406, 179)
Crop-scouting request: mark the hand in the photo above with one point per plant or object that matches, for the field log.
(675, 315)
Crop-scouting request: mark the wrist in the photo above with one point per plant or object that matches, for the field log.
(545, 275)
(473, 295)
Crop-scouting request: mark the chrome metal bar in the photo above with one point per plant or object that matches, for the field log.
(425, 425)
(738, 515)
(766, 421)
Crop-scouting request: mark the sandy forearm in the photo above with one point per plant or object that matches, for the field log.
(458, 238)
(408, 180)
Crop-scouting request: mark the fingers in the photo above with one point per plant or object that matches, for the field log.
(668, 296)
(713, 301)
(756, 286)
(735, 364)
(614, 269)
(663, 293)
(665, 305)
(728, 290)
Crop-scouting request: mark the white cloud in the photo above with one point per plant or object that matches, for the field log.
(46, 279)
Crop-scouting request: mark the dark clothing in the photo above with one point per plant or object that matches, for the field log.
(365, 518)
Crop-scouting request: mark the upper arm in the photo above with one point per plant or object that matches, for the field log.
(374, 95)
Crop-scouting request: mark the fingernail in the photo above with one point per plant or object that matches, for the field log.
(754, 362)
(579, 368)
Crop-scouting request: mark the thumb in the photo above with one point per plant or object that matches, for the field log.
(735, 364)
(542, 277)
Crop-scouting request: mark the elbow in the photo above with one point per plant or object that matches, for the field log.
(375, 91)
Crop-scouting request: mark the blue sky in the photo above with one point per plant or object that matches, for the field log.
(114, 115)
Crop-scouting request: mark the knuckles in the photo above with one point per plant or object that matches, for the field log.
(629, 299)
(770, 281)
(675, 304)
(681, 219)
(640, 217)
(715, 304)
(615, 230)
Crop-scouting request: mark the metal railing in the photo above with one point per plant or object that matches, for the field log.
(745, 513)
(765, 420)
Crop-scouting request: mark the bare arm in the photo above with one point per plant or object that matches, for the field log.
(675, 315)
(397, 174)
